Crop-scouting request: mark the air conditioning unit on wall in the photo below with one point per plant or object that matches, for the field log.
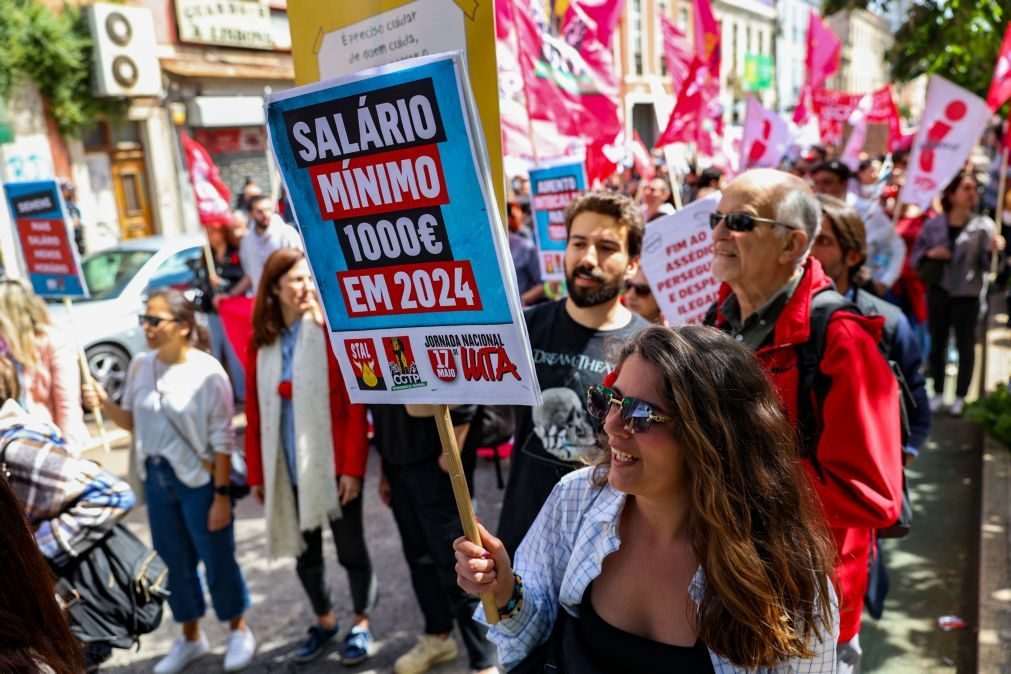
(125, 61)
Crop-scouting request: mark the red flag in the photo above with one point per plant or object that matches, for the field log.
(824, 51)
(676, 50)
(570, 82)
(599, 16)
(213, 196)
(707, 37)
(236, 317)
(1000, 85)
(834, 108)
(685, 123)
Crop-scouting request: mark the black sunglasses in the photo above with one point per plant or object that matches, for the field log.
(637, 415)
(154, 321)
(640, 289)
(741, 222)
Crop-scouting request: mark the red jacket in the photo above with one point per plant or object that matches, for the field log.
(348, 424)
(859, 473)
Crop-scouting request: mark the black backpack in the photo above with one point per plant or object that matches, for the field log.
(814, 386)
(114, 593)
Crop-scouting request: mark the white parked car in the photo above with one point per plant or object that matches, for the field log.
(119, 279)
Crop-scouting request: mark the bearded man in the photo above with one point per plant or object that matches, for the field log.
(568, 338)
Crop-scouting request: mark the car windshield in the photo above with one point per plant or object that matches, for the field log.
(107, 273)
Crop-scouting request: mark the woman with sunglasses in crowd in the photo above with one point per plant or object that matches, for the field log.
(693, 544)
(639, 298)
(178, 404)
(307, 447)
(49, 374)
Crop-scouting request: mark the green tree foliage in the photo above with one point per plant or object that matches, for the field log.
(54, 51)
(957, 39)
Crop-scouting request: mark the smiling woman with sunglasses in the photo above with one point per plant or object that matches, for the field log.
(693, 544)
(178, 404)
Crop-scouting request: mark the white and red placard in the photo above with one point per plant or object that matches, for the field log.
(858, 121)
(677, 259)
(766, 137)
(953, 120)
(46, 239)
(389, 181)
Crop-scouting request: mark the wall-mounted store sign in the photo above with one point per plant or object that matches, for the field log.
(226, 23)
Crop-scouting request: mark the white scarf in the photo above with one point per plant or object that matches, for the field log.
(318, 502)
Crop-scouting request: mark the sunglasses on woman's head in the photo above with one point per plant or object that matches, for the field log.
(153, 321)
(640, 289)
(741, 222)
(637, 415)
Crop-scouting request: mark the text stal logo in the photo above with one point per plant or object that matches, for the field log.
(403, 368)
(362, 354)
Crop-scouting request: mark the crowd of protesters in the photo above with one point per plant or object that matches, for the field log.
(758, 458)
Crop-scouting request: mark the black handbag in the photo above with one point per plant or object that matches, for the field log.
(115, 592)
(931, 271)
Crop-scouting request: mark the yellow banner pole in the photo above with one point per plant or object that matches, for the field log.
(82, 361)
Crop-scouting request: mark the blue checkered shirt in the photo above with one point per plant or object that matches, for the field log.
(563, 552)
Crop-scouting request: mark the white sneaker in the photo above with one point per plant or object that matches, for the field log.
(957, 407)
(240, 650)
(936, 402)
(181, 654)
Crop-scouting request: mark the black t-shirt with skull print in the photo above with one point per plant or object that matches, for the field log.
(552, 438)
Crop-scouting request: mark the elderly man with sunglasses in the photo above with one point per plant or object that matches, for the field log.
(763, 230)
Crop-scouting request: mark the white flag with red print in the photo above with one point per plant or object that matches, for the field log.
(858, 121)
(953, 120)
(766, 137)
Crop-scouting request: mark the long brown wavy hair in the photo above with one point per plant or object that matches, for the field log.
(267, 317)
(753, 519)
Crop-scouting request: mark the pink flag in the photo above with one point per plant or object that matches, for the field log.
(1000, 85)
(707, 37)
(685, 121)
(824, 51)
(213, 196)
(569, 80)
(766, 137)
(834, 108)
(953, 120)
(676, 50)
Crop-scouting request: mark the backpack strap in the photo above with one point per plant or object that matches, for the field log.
(813, 384)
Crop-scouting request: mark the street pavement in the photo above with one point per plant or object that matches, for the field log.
(281, 614)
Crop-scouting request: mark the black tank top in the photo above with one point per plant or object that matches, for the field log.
(615, 651)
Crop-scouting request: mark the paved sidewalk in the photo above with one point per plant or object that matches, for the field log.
(281, 614)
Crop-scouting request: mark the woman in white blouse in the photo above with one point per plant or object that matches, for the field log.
(178, 404)
(694, 543)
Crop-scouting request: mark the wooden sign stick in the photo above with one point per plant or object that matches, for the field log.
(463, 503)
(82, 361)
(999, 210)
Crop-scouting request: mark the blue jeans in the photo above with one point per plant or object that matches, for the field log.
(178, 519)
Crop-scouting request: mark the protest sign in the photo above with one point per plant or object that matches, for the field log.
(551, 190)
(834, 109)
(677, 258)
(766, 137)
(44, 236)
(330, 39)
(388, 180)
(953, 120)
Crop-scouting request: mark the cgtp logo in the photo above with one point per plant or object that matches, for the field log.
(400, 359)
(953, 112)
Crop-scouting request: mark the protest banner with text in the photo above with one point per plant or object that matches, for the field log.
(392, 195)
(677, 259)
(45, 238)
(551, 190)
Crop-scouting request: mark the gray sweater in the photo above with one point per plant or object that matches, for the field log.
(966, 272)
